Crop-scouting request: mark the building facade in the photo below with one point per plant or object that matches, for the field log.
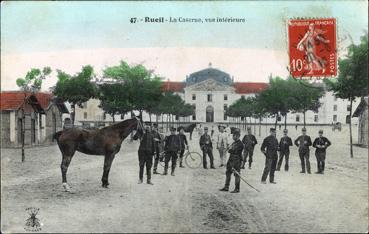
(361, 113)
(39, 115)
(211, 91)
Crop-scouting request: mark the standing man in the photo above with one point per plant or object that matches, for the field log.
(321, 143)
(145, 154)
(284, 150)
(249, 141)
(270, 148)
(303, 142)
(157, 138)
(172, 146)
(183, 145)
(222, 145)
(234, 163)
(207, 149)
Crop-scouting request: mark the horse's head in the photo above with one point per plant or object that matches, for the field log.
(139, 131)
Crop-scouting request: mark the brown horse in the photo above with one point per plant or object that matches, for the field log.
(105, 141)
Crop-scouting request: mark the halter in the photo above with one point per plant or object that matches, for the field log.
(139, 125)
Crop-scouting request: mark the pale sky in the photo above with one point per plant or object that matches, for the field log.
(68, 35)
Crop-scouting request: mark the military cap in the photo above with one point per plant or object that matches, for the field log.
(221, 126)
(248, 128)
(179, 128)
(272, 129)
(148, 123)
(304, 129)
(320, 131)
(285, 130)
(206, 128)
(155, 125)
(172, 128)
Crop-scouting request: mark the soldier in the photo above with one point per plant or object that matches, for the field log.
(270, 148)
(207, 149)
(157, 138)
(321, 143)
(145, 154)
(284, 150)
(249, 141)
(222, 144)
(234, 163)
(172, 146)
(303, 142)
(183, 145)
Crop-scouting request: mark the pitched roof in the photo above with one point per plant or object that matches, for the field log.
(171, 86)
(13, 100)
(363, 106)
(249, 87)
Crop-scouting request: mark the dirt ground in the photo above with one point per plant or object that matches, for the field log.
(190, 201)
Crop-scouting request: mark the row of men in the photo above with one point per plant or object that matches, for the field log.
(270, 147)
(150, 144)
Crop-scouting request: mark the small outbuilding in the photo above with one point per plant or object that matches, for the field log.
(361, 112)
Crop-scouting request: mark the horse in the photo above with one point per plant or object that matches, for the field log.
(188, 128)
(105, 141)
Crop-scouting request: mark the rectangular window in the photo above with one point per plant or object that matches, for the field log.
(85, 115)
(193, 97)
(334, 107)
(315, 118)
(225, 116)
(297, 118)
(194, 117)
(225, 107)
(334, 118)
(348, 108)
(84, 105)
(177, 117)
(104, 116)
(210, 97)
(225, 97)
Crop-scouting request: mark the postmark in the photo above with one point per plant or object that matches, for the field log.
(312, 48)
(33, 224)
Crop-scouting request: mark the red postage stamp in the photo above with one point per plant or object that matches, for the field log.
(312, 47)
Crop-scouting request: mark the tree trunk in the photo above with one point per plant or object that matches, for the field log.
(113, 117)
(254, 125)
(304, 119)
(150, 117)
(351, 150)
(285, 121)
(73, 112)
(276, 121)
(259, 126)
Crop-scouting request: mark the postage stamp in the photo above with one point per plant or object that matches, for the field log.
(312, 47)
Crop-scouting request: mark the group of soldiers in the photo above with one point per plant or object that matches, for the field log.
(150, 144)
(240, 152)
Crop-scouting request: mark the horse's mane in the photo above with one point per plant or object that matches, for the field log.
(121, 124)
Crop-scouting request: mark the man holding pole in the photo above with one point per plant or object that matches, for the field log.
(234, 163)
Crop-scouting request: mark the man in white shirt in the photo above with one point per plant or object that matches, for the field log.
(222, 145)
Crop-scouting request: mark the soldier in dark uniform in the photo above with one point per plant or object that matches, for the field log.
(145, 154)
(284, 150)
(270, 148)
(183, 145)
(207, 149)
(303, 142)
(172, 146)
(321, 143)
(234, 163)
(249, 141)
(157, 139)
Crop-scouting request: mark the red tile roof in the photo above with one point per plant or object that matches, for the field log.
(249, 87)
(170, 86)
(13, 100)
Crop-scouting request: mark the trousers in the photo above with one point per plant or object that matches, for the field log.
(270, 166)
(282, 155)
(304, 157)
(145, 159)
(209, 152)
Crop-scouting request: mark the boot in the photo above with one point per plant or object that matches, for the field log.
(165, 171)
(181, 164)
(155, 172)
(140, 181)
(225, 189)
(236, 190)
(172, 173)
(149, 182)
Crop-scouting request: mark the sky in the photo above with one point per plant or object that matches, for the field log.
(67, 35)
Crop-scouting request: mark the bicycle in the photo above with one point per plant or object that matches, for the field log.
(192, 159)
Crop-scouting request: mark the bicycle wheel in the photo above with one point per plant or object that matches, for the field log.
(193, 159)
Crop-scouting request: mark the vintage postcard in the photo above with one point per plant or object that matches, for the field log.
(184, 116)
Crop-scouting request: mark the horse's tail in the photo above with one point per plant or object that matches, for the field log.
(57, 135)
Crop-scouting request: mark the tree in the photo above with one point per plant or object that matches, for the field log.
(76, 89)
(141, 87)
(31, 83)
(352, 81)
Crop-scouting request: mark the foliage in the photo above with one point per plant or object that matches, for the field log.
(33, 79)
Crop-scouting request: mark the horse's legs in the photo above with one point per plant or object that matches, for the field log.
(108, 160)
(67, 154)
(191, 136)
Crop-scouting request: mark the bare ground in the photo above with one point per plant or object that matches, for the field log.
(188, 202)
